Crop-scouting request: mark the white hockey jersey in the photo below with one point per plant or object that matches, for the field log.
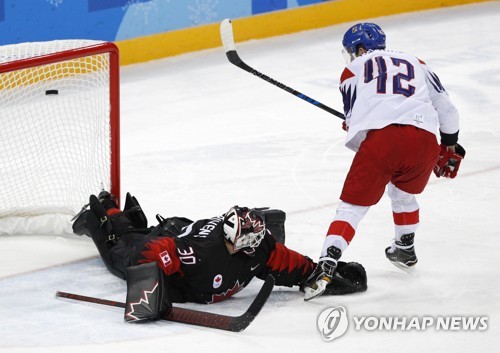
(385, 87)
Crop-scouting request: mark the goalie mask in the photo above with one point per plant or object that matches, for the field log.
(244, 228)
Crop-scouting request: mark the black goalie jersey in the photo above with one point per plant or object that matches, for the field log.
(200, 268)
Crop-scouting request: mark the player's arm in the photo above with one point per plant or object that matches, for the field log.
(447, 112)
(451, 153)
(288, 267)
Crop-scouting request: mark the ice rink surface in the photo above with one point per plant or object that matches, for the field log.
(200, 135)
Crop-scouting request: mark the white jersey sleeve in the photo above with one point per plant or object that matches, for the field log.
(447, 113)
(383, 87)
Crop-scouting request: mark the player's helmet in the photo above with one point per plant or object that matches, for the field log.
(244, 228)
(369, 35)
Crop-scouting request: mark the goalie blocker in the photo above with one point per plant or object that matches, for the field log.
(147, 294)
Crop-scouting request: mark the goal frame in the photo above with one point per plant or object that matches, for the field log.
(114, 93)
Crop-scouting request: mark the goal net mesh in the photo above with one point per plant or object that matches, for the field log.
(54, 130)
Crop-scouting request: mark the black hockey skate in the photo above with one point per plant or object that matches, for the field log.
(402, 253)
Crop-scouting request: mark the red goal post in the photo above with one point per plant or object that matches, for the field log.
(59, 131)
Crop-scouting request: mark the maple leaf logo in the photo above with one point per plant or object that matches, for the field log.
(141, 308)
(230, 292)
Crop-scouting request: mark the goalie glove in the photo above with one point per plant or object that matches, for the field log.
(349, 278)
(449, 161)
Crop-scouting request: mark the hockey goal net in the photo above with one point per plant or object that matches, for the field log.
(59, 131)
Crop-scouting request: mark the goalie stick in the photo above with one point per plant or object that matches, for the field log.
(195, 317)
(226, 33)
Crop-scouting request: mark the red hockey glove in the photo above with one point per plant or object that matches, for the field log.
(344, 126)
(449, 161)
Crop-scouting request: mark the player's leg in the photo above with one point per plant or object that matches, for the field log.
(415, 167)
(339, 235)
(405, 211)
(364, 186)
(112, 231)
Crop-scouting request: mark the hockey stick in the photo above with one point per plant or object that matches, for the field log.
(226, 33)
(195, 317)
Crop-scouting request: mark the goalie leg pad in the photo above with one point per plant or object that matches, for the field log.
(170, 227)
(114, 222)
(104, 217)
(96, 224)
(80, 224)
(147, 295)
(94, 221)
(134, 212)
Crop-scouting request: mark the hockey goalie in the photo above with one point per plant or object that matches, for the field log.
(202, 261)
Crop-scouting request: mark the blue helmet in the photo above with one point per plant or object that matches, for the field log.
(369, 35)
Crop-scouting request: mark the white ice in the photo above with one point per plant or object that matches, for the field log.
(200, 135)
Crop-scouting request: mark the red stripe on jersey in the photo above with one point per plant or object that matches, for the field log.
(342, 228)
(406, 218)
(422, 62)
(164, 252)
(283, 259)
(346, 74)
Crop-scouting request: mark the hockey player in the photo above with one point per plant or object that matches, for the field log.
(208, 260)
(394, 105)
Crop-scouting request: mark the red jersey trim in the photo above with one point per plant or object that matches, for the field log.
(346, 74)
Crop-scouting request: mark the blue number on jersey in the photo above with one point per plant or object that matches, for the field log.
(398, 86)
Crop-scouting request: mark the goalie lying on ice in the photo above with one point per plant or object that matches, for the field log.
(208, 260)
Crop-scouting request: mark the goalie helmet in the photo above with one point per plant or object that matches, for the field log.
(244, 228)
(369, 35)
